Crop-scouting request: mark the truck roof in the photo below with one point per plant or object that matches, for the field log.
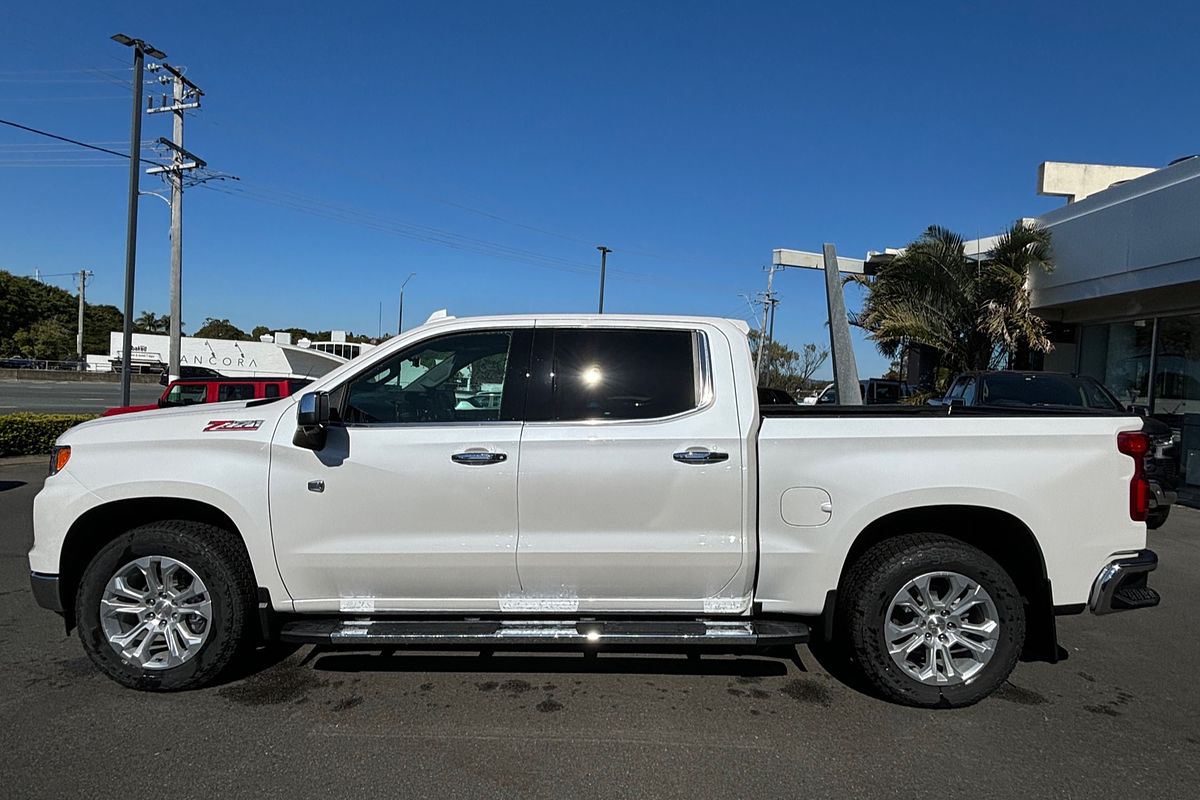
(604, 318)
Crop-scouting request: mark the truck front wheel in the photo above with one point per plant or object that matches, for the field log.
(166, 606)
(931, 621)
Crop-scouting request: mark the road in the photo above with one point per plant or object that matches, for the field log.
(1118, 719)
(70, 397)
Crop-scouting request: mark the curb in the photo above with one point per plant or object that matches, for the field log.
(17, 461)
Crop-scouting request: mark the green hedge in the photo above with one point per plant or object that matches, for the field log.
(25, 434)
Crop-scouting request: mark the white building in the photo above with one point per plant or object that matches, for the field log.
(227, 356)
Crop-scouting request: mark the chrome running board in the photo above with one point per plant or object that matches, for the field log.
(736, 632)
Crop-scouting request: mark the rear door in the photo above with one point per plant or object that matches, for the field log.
(630, 485)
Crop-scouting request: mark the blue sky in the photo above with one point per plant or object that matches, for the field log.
(489, 147)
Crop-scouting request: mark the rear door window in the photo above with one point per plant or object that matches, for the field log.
(235, 391)
(623, 374)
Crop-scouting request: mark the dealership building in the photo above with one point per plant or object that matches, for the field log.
(272, 354)
(1123, 299)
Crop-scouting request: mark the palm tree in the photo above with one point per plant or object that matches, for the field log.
(974, 311)
(149, 322)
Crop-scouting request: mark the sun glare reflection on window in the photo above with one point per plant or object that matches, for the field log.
(592, 376)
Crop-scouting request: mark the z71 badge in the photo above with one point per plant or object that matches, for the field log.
(233, 425)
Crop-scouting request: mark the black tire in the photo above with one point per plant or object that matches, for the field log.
(1157, 517)
(218, 558)
(863, 605)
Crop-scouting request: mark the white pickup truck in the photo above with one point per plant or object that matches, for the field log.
(579, 481)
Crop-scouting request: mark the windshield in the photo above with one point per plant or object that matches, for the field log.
(1064, 391)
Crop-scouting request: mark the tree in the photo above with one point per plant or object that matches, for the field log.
(975, 313)
(149, 322)
(50, 339)
(219, 329)
(99, 322)
(784, 368)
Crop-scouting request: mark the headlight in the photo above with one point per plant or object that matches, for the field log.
(59, 456)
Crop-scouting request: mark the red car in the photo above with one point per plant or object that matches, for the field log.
(190, 391)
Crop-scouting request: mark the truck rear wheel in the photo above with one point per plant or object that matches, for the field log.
(166, 606)
(931, 621)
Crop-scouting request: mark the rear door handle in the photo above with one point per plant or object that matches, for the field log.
(477, 457)
(698, 455)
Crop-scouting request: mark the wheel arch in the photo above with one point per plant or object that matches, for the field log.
(100, 525)
(999, 534)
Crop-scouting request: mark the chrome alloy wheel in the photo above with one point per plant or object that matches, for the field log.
(156, 612)
(942, 628)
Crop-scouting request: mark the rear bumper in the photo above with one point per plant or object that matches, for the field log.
(45, 591)
(1122, 585)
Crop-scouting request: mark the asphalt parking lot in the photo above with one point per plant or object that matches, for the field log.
(70, 397)
(1119, 718)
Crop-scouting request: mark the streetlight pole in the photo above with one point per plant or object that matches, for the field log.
(140, 49)
(604, 251)
(400, 320)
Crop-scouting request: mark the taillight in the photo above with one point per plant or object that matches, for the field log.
(1136, 444)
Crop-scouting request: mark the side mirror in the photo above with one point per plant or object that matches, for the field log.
(312, 417)
(955, 402)
(1141, 411)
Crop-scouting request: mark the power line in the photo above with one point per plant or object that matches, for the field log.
(61, 99)
(425, 233)
(54, 72)
(75, 142)
(372, 176)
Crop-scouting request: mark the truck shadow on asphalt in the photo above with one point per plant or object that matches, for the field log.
(750, 665)
(6, 485)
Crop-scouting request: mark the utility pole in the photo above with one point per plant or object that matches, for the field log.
(765, 334)
(185, 95)
(400, 318)
(83, 276)
(604, 251)
(140, 49)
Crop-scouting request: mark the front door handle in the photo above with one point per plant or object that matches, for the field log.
(698, 455)
(478, 457)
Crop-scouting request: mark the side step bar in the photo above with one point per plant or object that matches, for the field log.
(493, 633)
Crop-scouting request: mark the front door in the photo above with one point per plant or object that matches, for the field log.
(412, 503)
(631, 486)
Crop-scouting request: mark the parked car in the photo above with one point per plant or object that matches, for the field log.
(775, 397)
(188, 371)
(628, 490)
(875, 391)
(1014, 389)
(192, 391)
